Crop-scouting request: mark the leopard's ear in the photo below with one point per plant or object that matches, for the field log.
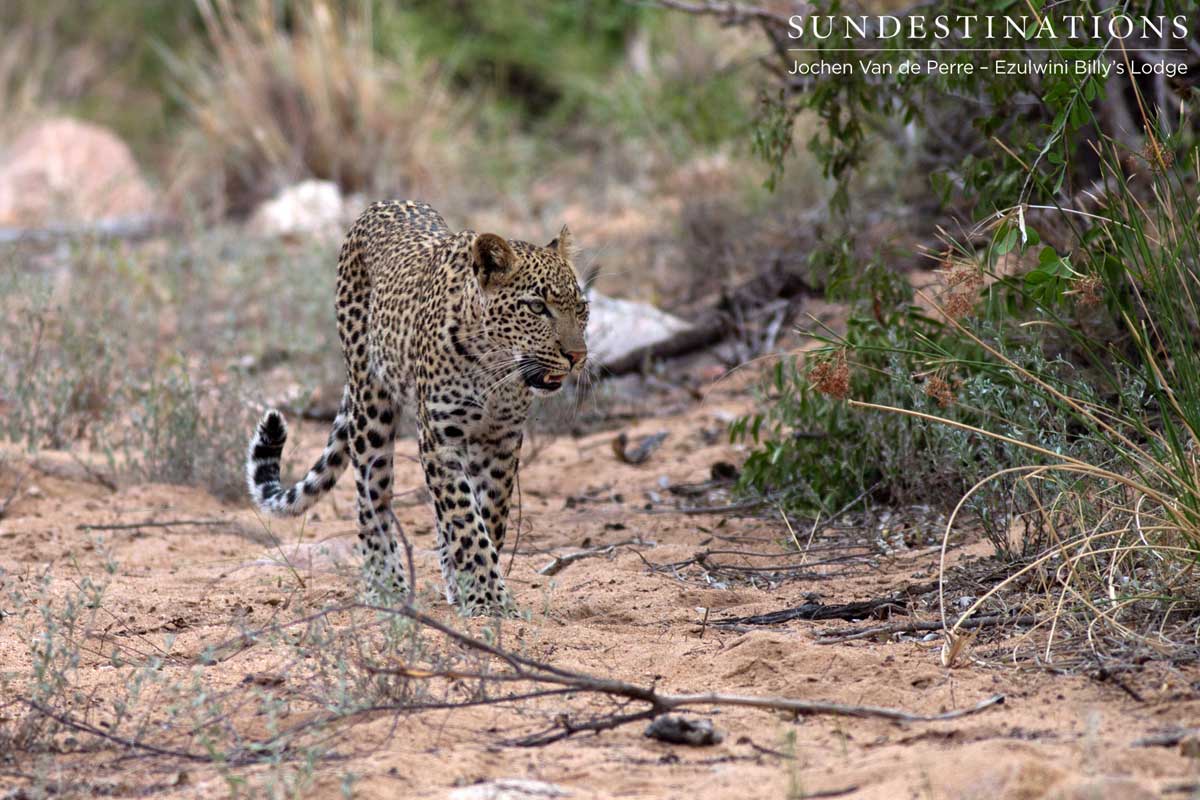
(564, 244)
(493, 259)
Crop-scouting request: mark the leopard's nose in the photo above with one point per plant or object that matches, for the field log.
(575, 356)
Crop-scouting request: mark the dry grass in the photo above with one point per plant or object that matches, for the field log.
(25, 65)
(211, 327)
(273, 103)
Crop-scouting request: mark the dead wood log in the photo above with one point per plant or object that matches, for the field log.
(126, 228)
(774, 283)
(820, 611)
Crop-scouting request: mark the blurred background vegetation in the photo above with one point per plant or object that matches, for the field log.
(224, 85)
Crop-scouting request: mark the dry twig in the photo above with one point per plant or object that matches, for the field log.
(562, 562)
(850, 634)
(167, 523)
(524, 669)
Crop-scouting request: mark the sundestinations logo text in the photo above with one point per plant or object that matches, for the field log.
(1019, 45)
(968, 26)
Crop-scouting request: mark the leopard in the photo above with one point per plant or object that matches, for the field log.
(461, 330)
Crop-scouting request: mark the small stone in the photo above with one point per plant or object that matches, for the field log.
(510, 789)
(682, 730)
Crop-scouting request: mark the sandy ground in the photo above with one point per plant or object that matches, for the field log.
(1061, 736)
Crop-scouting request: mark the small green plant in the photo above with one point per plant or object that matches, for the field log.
(56, 627)
(180, 432)
(58, 367)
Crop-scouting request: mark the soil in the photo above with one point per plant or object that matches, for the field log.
(615, 614)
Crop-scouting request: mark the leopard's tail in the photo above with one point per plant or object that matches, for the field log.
(263, 457)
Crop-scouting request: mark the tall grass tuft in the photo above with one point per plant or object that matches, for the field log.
(277, 97)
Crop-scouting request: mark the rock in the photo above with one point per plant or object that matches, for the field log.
(510, 789)
(309, 208)
(65, 171)
(682, 730)
(618, 327)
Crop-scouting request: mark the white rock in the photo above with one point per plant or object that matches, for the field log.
(617, 327)
(309, 208)
(509, 789)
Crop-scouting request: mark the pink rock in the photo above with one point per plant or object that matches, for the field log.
(63, 171)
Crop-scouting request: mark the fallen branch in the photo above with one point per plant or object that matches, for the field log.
(168, 523)
(127, 228)
(562, 562)
(68, 721)
(524, 669)
(702, 560)
(840, 792)
(846, 635)
(748, 505)
(821, 611)
(1169, 738)
(95, 474)
(775, 282)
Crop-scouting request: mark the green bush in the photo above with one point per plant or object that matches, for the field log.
(1048, 392)
(541, 56)
(553, 68)
(815, 454)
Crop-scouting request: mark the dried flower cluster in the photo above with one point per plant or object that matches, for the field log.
(1159, 157)
(938, 388)
(1089, 291)
(964, 279)
(831, 376)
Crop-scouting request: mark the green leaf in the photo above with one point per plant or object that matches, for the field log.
(1007, 241)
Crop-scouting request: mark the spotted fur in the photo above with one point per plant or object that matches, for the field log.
(462, 329)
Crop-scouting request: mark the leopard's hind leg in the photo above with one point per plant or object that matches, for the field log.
(372, 444)
(371, 425)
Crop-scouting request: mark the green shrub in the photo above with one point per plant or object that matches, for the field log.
(817, 455)
(541, 56)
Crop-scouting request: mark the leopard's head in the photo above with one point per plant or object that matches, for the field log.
(535, 312)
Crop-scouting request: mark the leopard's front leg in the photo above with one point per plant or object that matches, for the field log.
(495, 458)
(469, 558)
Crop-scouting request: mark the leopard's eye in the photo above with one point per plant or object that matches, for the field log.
(537, 306)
